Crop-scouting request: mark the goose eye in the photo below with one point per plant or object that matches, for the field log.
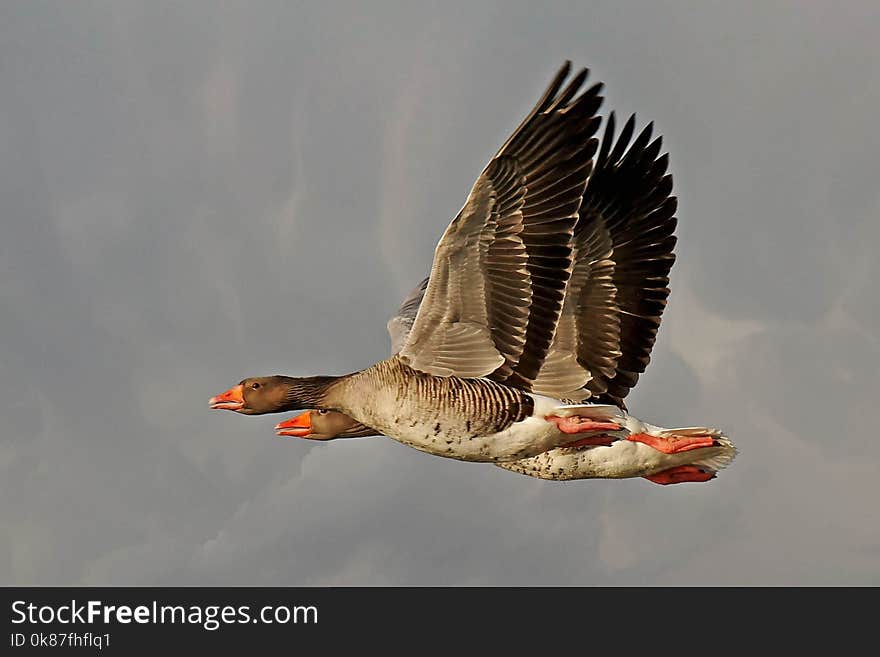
(322, 411)
(255, 386)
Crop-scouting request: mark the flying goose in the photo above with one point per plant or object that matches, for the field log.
(620, 459)
(624, 185)
(505, 326)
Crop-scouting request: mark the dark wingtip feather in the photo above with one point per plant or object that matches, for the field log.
(647, 158)
(561, 74)
(623, 140)
(660, 164)
(569, 92)
(607, 138)
(553, 88)
(642, 140)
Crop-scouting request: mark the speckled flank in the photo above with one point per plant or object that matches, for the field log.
(622, 459)
(473, 418)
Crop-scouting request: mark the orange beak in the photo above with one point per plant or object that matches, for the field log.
(299, 426)
(231, 400)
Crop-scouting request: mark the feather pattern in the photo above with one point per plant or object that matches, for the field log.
(500, 270)
(622, 253)
(629, 196)
(617, 290)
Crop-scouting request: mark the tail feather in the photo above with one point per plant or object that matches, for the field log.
(718, 456)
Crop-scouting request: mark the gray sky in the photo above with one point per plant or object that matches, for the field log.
(196, 192)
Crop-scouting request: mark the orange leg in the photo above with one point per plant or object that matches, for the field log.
(673, 444)
(681, 474)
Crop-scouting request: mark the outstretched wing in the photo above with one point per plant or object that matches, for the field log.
(500, 271)
(623, 251)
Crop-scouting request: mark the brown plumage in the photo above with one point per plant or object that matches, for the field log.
(490, 309)
(623, 252)
(500, 271)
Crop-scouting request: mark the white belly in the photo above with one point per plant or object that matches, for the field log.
(621, 459)
(520, 440)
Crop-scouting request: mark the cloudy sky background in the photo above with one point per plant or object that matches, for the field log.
(195, 192)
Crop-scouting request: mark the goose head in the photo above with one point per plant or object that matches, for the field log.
(323, 425)
(273, 394)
